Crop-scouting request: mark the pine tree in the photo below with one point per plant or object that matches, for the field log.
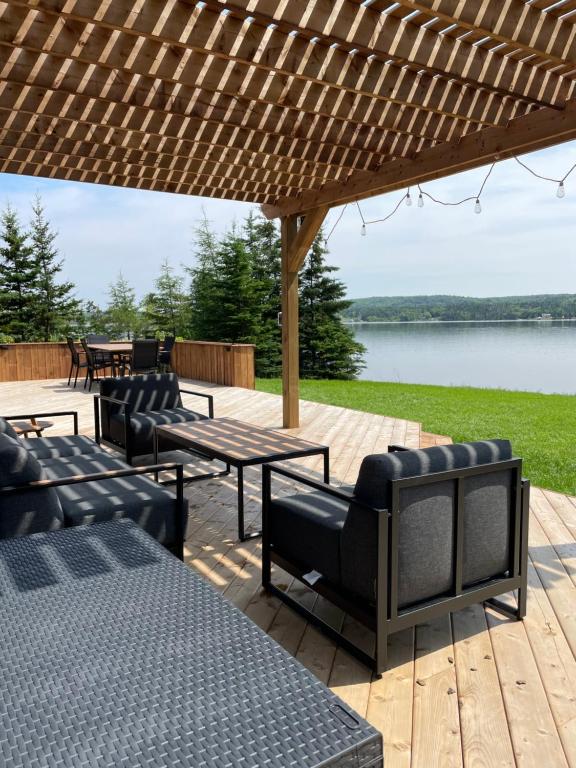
(56, 308)
(122, 316)
(167, 309)
(262, 241)
(328, 349)
(19, 276)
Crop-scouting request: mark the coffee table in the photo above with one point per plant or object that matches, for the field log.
(239, 445)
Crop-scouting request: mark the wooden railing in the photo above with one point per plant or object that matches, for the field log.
(23, 362)
(230, 364)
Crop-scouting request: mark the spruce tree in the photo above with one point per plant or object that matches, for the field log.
(122, 317)
(262, 241)
(167, 309)
(56, 308)
(234, 288)
(328, 349)
(19, 276)
(203, 288)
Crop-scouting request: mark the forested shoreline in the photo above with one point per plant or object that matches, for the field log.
(226, 288)
(461, 308)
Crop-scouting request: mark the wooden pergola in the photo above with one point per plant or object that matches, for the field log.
(297, 105)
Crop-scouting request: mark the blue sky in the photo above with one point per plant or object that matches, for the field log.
(522, 243)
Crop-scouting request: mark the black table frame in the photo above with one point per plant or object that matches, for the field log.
(198, 448)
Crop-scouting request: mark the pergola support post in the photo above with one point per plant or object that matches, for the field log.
(298, 234)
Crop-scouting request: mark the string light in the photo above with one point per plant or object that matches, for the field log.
(407, 199)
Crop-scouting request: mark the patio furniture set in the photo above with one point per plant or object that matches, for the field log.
(97, 354)
(422, 533)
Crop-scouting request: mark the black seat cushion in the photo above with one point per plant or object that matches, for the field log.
(136, 497)
(306, 528)
(29, 511)
(55, 447)
(426, 520)
(143, 424)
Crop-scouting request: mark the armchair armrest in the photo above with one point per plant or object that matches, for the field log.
(115, 401)
(210, 399)
(330, 490)
(396, 448)
(28, 416)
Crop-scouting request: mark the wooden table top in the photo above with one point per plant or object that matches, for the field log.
(113, 346)
(238, 440)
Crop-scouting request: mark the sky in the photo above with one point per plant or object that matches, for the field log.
(523, 242)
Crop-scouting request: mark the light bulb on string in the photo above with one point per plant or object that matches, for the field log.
(363, 230)
(560, 192)
(477, 206)
(420, 200)
(408, 199)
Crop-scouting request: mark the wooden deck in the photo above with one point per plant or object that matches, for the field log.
(471, 690)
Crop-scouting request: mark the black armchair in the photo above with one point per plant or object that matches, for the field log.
(128, 409)
(422, 534)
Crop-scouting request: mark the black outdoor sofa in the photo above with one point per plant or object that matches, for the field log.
(422, 533)
(49, 483)
(128, 409)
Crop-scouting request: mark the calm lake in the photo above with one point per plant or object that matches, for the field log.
(535, 356)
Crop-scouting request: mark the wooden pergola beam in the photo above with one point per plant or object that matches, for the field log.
(538, 130)
(512, 22)
(153, 151)
(175, 49)
(29, 68)
(244, 192)
(360, 27)
(297, 237)
(235, 129)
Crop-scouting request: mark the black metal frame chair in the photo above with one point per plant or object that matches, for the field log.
(165, 354)
(95, 363)
(28, 416)
(76, 363)
(144, 357)
(385, 618)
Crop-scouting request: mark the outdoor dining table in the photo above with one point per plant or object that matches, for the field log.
(113, 347)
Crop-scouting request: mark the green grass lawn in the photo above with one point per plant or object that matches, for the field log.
(542, 428)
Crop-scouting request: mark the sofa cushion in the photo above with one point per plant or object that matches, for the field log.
(7, 429)
(136, 497)
(29, 511)
(426, 520)
(143, 424)
(55, 447)
(306, 528)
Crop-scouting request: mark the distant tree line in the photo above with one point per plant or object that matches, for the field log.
(231, 293)
(413, 308)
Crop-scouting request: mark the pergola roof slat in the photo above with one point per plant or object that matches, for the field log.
(295, 105)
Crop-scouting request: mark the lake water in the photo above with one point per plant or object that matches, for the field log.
(535, 356)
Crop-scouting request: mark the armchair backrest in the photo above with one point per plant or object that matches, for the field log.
(145, 354)
(148, 392)
(423, 527)
(24, 512)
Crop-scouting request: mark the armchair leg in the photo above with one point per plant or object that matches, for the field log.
(70, 374)
(381, 652)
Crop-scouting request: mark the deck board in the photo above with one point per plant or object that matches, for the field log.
(469, 691)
